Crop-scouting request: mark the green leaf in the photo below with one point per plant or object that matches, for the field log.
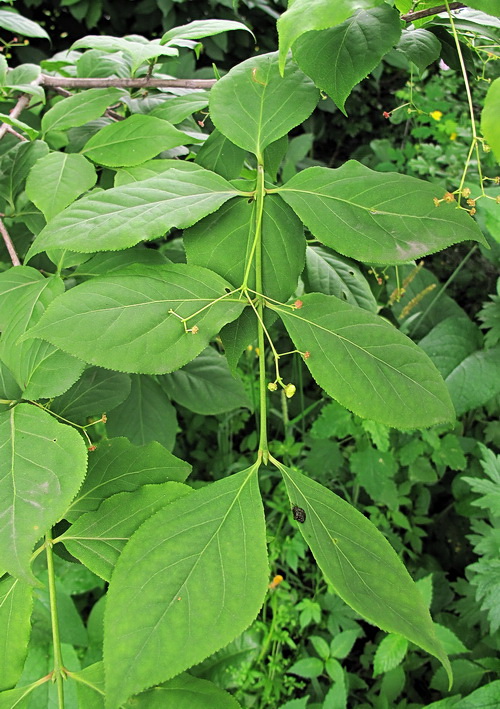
(97, 538)
(138, 48)
(134, 140)
(57, 180)
(308, 667)
(490, 7)
(122, 216)
(206, 386)
(203, 28)
(375, 471)
(223, 242)
(107, 262)
(80, 108)
(13, 697)
(343, 642)
(118, 466)
(186, 692)
(150, 168)
(475, 380)
(132, 320)
(219, 154)
(216, 532)
(253, 105)
(327, 272)
(420, 46)
(145, 415)
(361, 565)
(15, 166)
(452, 645)
(178, 108)
(450, 342)
(90, 686)
(378, 217)
(390, 653)
(96, 392)
(366, 364)
(42, 465)
(305, 15)
(15, 629)
(40, 369)
(17, 24)
(489, 117)
(16, 123)
(337, 59)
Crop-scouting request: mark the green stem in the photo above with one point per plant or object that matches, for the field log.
(59, 672)
(260, 193)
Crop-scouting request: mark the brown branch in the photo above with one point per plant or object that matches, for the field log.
(22, 103)
(10, 129)
(411, 16)
(10, 246)
(71, 83)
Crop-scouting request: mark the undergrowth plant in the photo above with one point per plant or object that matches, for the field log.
(95, 322)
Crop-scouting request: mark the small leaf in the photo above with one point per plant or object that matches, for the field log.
(253, 105)
(376, 217)
(361, 565)
(145, 415)
(390, 653)
(420, 46)
(366, 364)
(57, 180)
(123, 216)
(134, 140)
(80, 108)
(222, 156)
(178, 108)
(202, 28)
(342, 643)
(138, 48)
(308, 667)
(338, 58)
(118, 466)
(97, 538)
(17, 24)
(451, 644)
(42, 465)
(15, 629)
(489, 117)
(206, 386)
(15, 166)
(16, 123)
(450, 342)
(132, 320)
(217, 531)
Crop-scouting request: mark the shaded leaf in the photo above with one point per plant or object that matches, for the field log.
(42, 465)
(420, 46)
(218, 531)
(489, 117)
(17, 24)
(450, 342)
(366, 364)
(222, 156)
(15, 628)
(475, 380)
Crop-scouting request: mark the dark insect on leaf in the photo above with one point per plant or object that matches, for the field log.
(298, 514)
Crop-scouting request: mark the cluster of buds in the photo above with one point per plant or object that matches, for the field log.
(289, 389)
(447, 197)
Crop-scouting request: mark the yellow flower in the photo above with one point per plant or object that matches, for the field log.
(453, 136)
(437, 115)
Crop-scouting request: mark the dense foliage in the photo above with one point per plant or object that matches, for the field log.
(243, 426)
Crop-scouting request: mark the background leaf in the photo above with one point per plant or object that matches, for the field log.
(361, 565)
(17, 24)
(376, 217)
(366, 364)
(202, 28)
(219, 530)
(186, 692)
(16, 603)
(339, 58)
(420, 46)
(253, 105)
(489, 117)
(123, 321)
(42, 465)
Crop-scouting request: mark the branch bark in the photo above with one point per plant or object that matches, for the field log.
(411, 16)
(74, 83)
(10, 246)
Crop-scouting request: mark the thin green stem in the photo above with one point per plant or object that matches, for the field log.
(59, 672)
(259, 207)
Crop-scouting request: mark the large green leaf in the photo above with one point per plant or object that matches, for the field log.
(96, 392)
(123, 216)
(202, 28)
(131, 320)
(361, 565)
(15, 628)
(40, 369)
(378, 217)
(80, 108)
(366, 364)
(145, 415)
(186, 692)
(339, 58)
(327, 272)
(490, 125)
(17, 24)
(217, 532)
(42, 465)
(57, 180)
(206, 386)
(305, 15)
(97, 538)
(253, 105)
(223, 242)
(118, 466)
(133, 141)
